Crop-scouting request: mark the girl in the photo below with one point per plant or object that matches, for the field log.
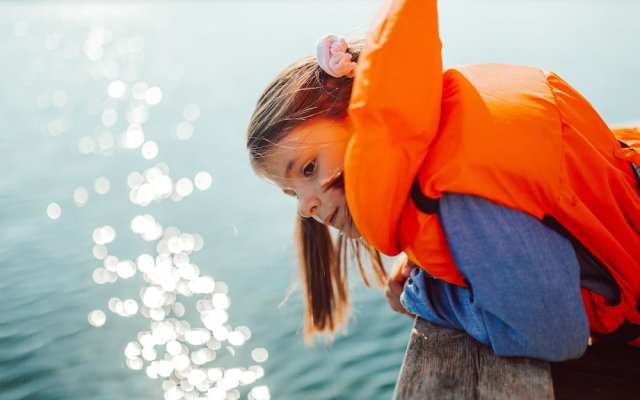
(505, 188)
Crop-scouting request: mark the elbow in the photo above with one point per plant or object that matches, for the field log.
(567, 343)
(562, 351)
(555, 350)
(552, 345)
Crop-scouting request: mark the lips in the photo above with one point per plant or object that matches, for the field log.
(332, 218)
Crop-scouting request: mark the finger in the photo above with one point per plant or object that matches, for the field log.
(400, 276)
(395, 288)
(393, 300)
(391, 294)
(406, 269)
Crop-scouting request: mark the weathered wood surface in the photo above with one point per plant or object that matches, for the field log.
(442, 364)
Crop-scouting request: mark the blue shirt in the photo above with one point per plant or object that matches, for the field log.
(523, 295)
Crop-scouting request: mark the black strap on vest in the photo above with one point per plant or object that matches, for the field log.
(425, 204)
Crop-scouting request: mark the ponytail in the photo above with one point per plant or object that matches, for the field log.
(323, 271)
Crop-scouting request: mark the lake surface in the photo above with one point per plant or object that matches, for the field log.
(190, 74)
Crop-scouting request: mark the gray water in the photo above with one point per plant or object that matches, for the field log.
(218, 55)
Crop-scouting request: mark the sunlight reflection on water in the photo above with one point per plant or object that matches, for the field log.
(174, 349)
(69, 64)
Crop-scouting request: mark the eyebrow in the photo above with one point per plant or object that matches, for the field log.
(294, 158)
(287, 171)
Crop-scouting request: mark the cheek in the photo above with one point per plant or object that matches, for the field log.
(336, 198)
(336, 158)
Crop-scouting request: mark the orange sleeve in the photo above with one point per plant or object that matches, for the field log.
(395, 111)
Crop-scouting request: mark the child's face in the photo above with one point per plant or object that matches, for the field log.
(307, 164)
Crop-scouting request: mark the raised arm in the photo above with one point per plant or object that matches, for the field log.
(395, 110)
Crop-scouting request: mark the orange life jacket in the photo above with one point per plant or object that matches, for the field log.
(518, 136)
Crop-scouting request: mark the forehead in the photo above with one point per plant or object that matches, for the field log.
(314, 133)
(312, 137)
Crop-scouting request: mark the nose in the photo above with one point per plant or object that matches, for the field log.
(308, 205)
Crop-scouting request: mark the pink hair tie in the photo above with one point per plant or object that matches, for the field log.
(331, 52)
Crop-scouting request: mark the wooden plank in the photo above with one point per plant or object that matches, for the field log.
(442, 364)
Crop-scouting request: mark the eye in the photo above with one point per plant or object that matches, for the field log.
(290, 193)
(309, 169)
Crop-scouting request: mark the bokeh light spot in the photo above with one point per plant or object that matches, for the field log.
(197, 337)
(109, 117)
(153, 297)
(259, 354)
(97, 318)
(149, 150)
(104, 235)
(59, 98)
(135, 363)
(260, 393)
(86, 145)
(55, 127)
(153, 95)
(130, 307)
(100, 251)
(220, 300)
(54, 211)
(191, 112)
(102, 185)
(236, 338)
(126, 269)
(203, 180)
(184, 130)
(145, 263)
(202, 284)
(134, 137)
(184, 187)
(246, 332)
(135, 179)
(133, 350)
(180, 362)
(100, 276)
(216, 393)
(137, 114)
(116, 89)
(80, 196)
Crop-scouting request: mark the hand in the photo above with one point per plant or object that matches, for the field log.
(395, 284)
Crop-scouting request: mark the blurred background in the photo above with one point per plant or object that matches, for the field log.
(122, 131)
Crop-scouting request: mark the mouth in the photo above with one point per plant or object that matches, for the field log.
(332, 218)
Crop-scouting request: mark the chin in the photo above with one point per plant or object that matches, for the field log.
(349, 228)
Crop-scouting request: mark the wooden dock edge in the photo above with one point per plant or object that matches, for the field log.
(442, 363)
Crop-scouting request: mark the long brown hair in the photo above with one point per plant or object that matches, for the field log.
(301, 92)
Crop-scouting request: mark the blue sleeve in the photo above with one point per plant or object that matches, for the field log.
(523, 297)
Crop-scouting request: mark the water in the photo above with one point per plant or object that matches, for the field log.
(218, 55)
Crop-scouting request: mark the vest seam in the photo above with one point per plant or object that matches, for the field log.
(562, 184)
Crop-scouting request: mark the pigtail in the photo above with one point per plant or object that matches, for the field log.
(323, 271)
(345, 245)
(324, 278)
